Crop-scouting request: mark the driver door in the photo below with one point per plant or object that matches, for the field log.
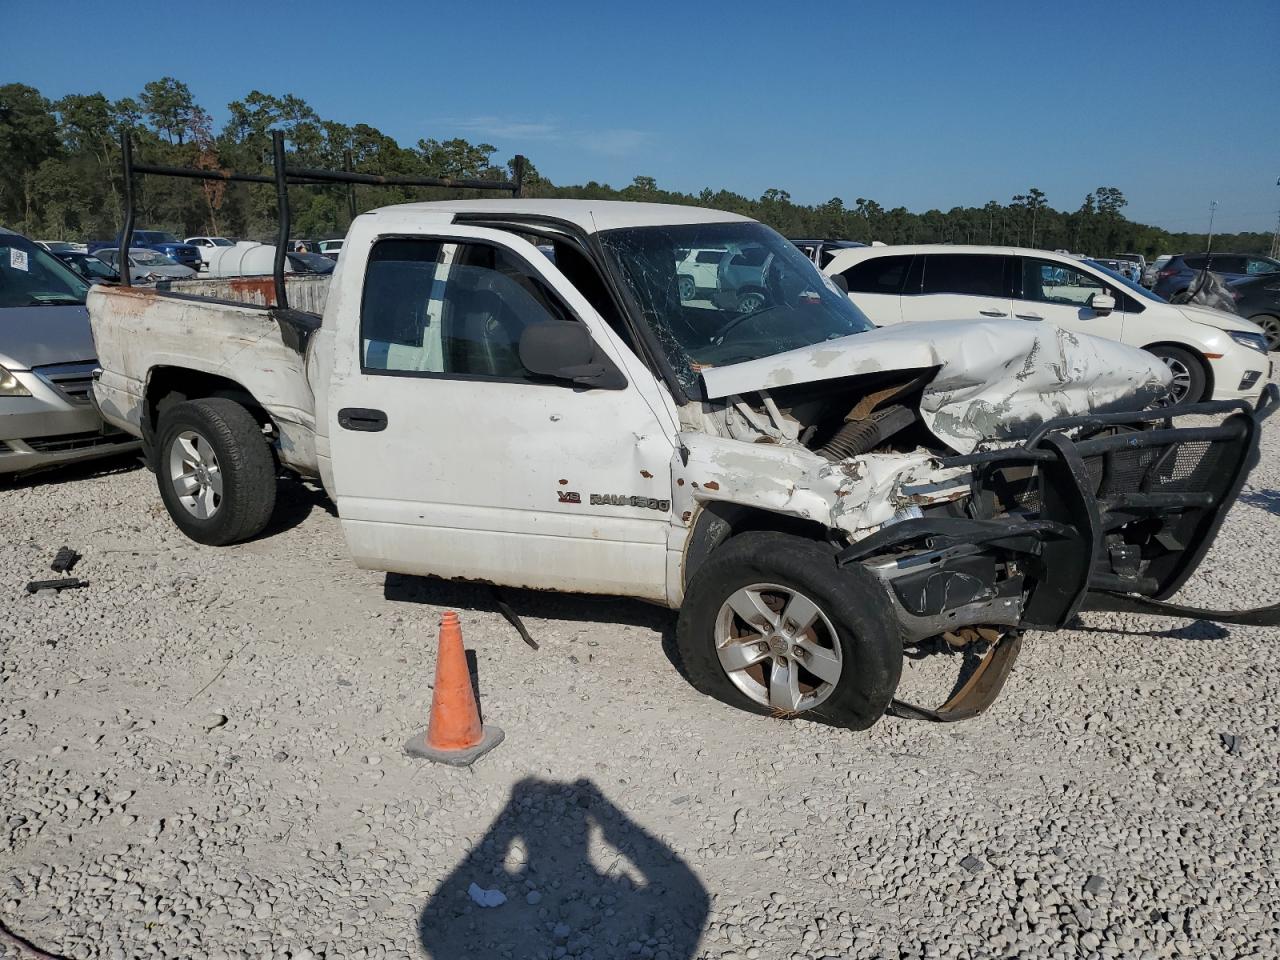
(1060, 293)
(450, 458)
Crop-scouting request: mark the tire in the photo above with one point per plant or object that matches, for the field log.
(854, 625)
(1190, 379)
(687, 288)
(751, 301)
(215, 471)
(1271, 328)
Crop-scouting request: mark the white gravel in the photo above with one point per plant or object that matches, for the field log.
(200, 757)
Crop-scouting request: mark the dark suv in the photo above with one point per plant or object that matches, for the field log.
(1179, 274)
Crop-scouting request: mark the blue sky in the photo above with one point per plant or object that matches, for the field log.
(914, 104)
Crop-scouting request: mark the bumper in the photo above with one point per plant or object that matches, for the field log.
(1117, 504)
(56, 424)
(1241, 374)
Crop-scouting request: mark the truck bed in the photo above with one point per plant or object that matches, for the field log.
(140, 332)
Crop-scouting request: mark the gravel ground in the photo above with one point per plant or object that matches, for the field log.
(200, 757)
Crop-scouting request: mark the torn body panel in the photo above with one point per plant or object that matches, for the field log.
(855, 496)
(995, 380)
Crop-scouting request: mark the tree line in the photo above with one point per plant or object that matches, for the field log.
(60, 178)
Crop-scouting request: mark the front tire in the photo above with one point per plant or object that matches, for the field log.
(1189, 378)
(1271, 329)
(770, 624)
(215, 470)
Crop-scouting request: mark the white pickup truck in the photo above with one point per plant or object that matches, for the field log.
(513, 391)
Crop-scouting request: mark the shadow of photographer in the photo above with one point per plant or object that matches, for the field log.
(579, 877)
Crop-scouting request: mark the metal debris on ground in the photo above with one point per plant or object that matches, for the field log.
(65, 583)
(64, 560)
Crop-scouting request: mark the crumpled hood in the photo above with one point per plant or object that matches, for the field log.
(34, 336)
(996, 380)
(1217, 318)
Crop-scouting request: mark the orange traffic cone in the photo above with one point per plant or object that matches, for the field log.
(454, 734)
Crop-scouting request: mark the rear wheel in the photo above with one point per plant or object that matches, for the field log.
(1189, 378)
(771, 624)
(215, 470)
(1271, 328)
(688, 289)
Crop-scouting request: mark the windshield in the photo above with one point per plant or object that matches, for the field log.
(89, 266)
(30, 276)
(150, 258)
(154, 236)
(720, 293)
(1129, 284)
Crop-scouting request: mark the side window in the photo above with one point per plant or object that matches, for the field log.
(1195, 263)
(878, 275)
(1048, 281)
(449, 308)
(978, 275)
(709, 256)
(1258, 266)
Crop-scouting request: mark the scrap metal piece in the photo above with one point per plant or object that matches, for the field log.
(513, 618)
(978, 692)
(64, 560)
(66, 583)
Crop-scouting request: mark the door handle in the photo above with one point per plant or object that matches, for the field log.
(1029, 316)
(363, 419)
(992, 313)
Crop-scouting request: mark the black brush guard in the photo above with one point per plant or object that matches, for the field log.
(1115, 517)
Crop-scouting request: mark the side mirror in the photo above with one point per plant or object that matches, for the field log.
(1102, 303)
(564, 349)
(839, 280)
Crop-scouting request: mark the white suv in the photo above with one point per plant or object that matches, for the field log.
(1213, 355)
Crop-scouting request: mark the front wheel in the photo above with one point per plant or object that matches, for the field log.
(215, 470)
(1189, 380)
(1270, 328)
(771, 624)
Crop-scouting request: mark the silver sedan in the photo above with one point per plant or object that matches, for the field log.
(46, 364)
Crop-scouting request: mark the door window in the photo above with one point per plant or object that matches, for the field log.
(1048, 281)
(976, 275)
(1259, 265)
(455, 309)
(878, 275)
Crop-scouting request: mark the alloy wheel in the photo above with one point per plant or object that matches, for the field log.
(1181, 384)
(196, 476)
(778, 647)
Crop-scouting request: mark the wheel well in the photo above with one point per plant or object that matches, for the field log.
(717, 523)
(1199, 357)
(169, 386)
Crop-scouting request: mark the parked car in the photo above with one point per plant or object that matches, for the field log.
(1212, 354)
(60, 246)
(1258, 300)
(1179, 274)
(787, 478)
(732, 278)
(331, 248)
(1135, 265)
(1153, 268)
(89, 267)
(309, 263)
(145, 265)
(207, 245)
(162, 242)
(821, 251)
(46, 364)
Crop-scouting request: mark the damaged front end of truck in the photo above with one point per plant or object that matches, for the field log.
(993, 477)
